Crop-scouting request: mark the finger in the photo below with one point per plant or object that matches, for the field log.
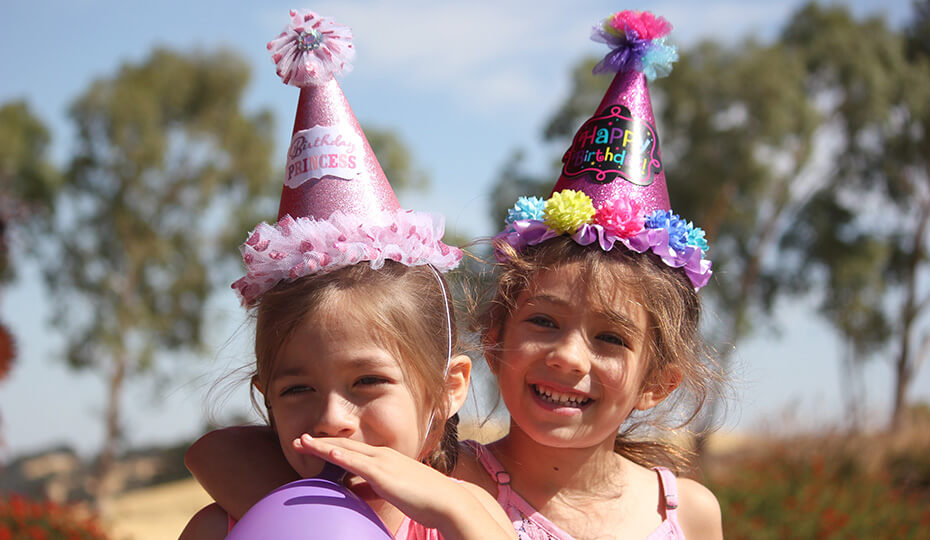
(329, 443)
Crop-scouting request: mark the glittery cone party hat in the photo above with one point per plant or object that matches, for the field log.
(337, 207)
(330, 165)
(615, 154)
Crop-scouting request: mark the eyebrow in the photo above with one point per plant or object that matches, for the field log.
(616, 318)
(354, 363)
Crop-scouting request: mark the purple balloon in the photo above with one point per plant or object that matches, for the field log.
(311, 509)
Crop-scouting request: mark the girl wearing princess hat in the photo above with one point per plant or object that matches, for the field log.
(594, 326)
(592, 331)
(355, 341)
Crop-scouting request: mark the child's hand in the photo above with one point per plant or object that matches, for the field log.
(457, 509)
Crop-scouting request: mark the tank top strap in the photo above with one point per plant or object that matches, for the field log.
(494, 467)
(669, 486)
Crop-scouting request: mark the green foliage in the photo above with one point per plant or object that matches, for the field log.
(28, 181)
(163, 147)
(864, 241)
(167, 163)
(396, 160)
(781, 493)
(25, 519)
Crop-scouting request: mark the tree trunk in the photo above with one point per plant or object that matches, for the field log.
(101, 486)
(904, 366)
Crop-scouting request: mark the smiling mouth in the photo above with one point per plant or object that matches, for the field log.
(561, 399)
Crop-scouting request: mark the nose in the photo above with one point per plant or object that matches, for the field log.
(337, 418)
(570, 354)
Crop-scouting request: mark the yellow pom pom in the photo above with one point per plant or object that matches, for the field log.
(568, 210)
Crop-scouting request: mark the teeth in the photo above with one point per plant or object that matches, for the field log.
(559, 398)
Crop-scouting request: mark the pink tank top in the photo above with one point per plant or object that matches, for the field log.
(531, 525)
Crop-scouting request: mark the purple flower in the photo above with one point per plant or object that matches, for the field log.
(626, 51)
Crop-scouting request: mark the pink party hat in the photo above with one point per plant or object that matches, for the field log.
(612, 186)
(337, 207)
(330, 165)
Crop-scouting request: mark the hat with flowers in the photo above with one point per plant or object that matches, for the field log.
(612, 186)
(337, 207)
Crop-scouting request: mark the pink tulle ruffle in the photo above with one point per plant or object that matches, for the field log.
(530, 232)
(293, 248)
(646, 25)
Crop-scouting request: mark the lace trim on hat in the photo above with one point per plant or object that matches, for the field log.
(293, 248)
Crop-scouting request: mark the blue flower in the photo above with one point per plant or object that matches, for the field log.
(657, 61)
(659, 219)
(677, 228)
(526, 208)
(696, 237)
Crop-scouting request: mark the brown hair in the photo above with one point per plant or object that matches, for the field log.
(672, 339)
(404, 306)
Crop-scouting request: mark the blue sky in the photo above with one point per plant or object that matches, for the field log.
(462, 82)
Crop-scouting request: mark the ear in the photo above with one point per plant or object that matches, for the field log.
(653, 393)
(457, 382)
(258, 385)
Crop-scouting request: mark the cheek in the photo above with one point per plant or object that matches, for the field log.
(393, 422)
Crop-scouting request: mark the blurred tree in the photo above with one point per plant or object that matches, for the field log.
(28, 180)
(869, 232)
(28, 183)
(166, 160)
(396, 159)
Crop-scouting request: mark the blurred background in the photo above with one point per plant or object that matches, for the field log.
(140, 142)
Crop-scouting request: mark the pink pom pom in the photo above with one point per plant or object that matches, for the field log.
(622, 217)
(643, 23)
(311, 50)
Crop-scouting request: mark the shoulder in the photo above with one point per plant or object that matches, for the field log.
(469, 468)
(210, 522)
(698, 511)
(490, 505)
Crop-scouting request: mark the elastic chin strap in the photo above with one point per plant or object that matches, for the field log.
(445, 373)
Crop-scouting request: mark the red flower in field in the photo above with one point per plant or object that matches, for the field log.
(7, 351)
(832, 521)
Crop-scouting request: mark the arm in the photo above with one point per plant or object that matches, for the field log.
(458, 510)
(699, 513)
(210, 523)
(238, 466)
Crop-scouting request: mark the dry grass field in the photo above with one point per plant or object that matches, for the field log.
(156, 513)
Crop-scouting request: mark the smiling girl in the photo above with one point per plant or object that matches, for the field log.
(593, 330)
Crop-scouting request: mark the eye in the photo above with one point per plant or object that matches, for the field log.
(613, 339)
(542, 321)
(371, 380)
(296, 389)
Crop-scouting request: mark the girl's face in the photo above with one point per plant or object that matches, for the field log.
(334, 379)
(570, 371)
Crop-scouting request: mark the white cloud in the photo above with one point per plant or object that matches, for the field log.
(487, 54)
